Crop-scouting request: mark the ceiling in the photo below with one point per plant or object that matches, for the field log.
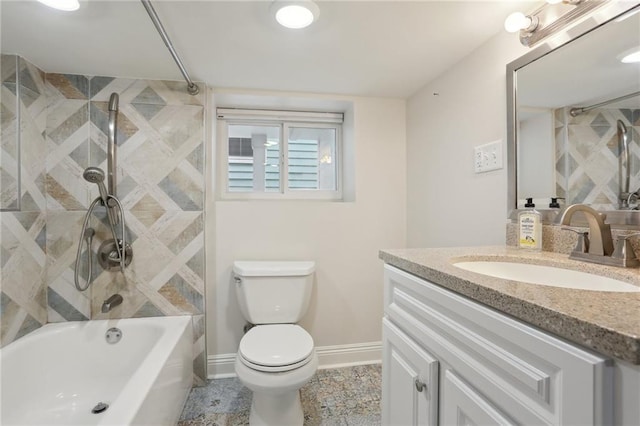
(369, 48)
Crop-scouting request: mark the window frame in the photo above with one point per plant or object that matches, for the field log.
(285, 193)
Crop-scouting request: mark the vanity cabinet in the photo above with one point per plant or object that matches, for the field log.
(449, 360)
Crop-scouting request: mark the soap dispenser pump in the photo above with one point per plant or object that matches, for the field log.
(554, 204)
(530, 227)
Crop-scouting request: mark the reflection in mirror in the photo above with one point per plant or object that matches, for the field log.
(588, 156)
(9, 140)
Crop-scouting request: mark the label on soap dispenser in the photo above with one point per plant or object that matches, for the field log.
(530, 230)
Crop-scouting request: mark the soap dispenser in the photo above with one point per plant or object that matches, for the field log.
(530, 227)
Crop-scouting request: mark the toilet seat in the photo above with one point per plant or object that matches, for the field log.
(276, 347)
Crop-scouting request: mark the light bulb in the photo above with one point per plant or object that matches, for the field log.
(66, 5)
(518, 21)
(296, 15)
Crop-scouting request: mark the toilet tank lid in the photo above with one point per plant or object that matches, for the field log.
(273, 268)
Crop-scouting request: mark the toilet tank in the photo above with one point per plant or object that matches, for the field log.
(273, 292)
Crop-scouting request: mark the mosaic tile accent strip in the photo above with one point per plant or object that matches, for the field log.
(588, 156)
(344, 396)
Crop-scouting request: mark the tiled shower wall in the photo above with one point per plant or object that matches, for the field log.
(588, 155)
(160, 157)
(23, 303)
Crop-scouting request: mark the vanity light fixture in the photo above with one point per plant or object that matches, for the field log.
(518, 21)
(552, 16)
(295, 14)
(65, 5)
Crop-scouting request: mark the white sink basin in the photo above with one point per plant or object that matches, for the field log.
(546, 275)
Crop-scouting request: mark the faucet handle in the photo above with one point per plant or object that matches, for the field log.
(624, 249)
(582, 246)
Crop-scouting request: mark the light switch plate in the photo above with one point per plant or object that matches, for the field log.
(488, 157)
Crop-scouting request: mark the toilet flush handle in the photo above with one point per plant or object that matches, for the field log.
(237, 280)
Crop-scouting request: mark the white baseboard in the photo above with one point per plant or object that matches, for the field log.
(222, 366)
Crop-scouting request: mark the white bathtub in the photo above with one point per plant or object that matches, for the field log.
(58, 373)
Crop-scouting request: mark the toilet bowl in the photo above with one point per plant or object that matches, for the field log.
(274, 369)
(276, 357)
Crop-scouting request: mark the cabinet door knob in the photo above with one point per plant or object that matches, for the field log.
(420, 386)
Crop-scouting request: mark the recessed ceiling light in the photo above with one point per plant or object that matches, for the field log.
(66, 5)
(295, 14)
(631, 56)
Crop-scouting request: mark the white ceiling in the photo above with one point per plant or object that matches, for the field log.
(371, 48)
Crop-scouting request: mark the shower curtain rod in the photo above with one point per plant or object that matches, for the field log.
(577, 111)
(192, 88)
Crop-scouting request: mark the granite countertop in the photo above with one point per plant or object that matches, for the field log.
(607, 322)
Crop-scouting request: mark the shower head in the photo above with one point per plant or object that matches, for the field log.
(96, 175)
(93, 175)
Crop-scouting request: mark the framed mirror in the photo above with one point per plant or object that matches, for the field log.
(574, 119)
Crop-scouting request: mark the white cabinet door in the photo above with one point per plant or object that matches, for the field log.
(530, 375)
(409, 381)
(464, 406)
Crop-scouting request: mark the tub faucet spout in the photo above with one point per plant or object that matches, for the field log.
(111, 303)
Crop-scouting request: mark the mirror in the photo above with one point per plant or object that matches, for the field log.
(9, 135)
(573, 109)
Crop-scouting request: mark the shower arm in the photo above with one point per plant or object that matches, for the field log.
(192, 88)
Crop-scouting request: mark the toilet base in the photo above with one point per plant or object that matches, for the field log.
(276, 396)
(284, 409)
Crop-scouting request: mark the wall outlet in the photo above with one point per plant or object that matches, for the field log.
(488, 157)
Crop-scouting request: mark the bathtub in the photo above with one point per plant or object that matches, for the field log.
(57, 374)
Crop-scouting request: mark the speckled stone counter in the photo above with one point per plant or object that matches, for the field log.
(607, 322)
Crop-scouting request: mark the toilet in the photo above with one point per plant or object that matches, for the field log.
(276, 357)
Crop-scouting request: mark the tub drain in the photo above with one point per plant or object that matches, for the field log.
(99, 408)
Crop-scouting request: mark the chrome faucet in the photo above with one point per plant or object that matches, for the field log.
(111, 303)
(596, 246)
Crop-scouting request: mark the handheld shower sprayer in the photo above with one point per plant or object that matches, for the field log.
(113, 253)
(96, 175)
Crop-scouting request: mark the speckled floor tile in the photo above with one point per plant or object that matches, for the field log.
(336, 397)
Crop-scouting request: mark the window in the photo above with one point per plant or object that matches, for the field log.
(280, 154)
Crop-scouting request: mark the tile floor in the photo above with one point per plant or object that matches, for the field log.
(337, 397)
